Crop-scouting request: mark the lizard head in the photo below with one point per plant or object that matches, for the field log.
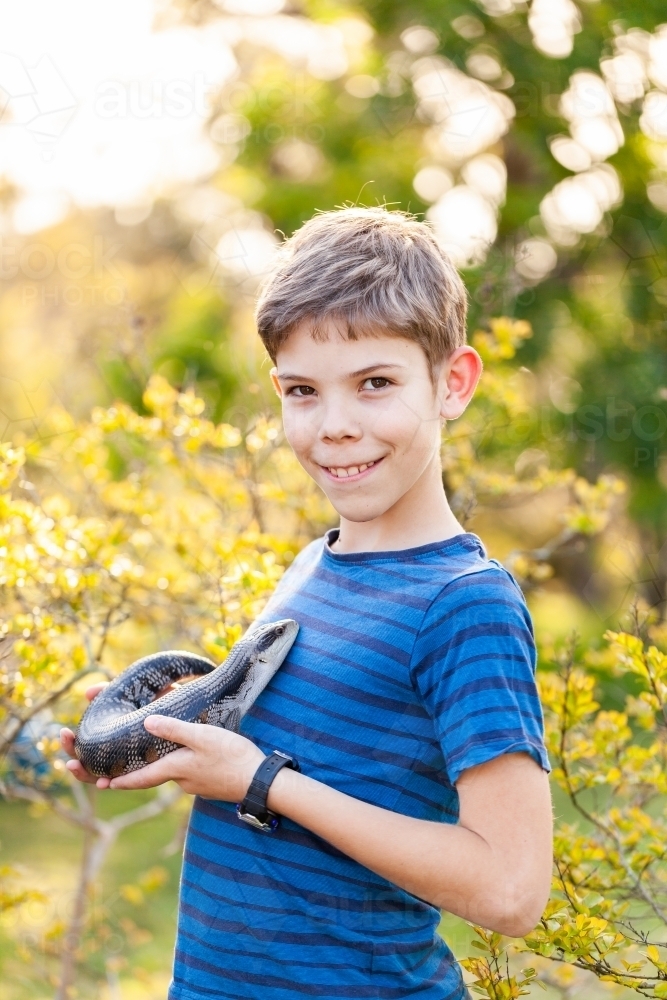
(268, 646)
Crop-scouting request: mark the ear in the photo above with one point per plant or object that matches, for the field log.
(276, 384)
(458, 380)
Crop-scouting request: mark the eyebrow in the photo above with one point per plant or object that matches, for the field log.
(289, 377)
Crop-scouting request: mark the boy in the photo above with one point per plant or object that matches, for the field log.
(408, 698)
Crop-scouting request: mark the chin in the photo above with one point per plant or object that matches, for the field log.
(358, 513)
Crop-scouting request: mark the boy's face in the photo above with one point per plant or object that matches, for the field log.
(363, 416)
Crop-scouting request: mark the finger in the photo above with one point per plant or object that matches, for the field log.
(95, 689)
(166, 769)
(188, 734)
(67, 738)
(76, 768)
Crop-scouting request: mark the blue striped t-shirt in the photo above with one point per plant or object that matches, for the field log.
(409, 667)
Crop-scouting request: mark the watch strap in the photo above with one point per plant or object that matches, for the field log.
(253, 809)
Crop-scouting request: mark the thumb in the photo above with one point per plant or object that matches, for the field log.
(94, 689)
(188, 734)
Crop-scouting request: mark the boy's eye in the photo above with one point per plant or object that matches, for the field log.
(377, 382)
(301, 390)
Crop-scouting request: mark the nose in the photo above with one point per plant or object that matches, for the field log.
(338, 422)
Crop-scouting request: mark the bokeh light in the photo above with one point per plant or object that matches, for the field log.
(553, 24)
(589, 107)
(535, 259)
(468, 115)
(488, 175)
(465, 224)
(577, 204)
(431, 183)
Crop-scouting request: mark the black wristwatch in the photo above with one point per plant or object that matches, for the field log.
(253, 809)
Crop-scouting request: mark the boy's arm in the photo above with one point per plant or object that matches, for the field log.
(492, 868)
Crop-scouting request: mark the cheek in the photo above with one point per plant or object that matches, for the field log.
(299, 429)
(404, 423)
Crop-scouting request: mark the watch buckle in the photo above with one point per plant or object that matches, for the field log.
(268, 825)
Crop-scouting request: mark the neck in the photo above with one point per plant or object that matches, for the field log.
(421, 516)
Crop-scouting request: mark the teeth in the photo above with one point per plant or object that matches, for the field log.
(352, 470)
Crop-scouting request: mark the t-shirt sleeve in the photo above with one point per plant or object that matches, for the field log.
(474, 667)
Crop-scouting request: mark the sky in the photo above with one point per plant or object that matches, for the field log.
(97, 108)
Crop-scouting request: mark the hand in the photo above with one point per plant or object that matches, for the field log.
(75, 766)
(67, 737)
(214, 763)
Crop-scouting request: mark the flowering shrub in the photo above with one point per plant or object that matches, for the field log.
(136, 531)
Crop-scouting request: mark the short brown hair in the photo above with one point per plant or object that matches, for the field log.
(367, 269)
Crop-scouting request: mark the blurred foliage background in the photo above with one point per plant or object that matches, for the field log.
(152, 156)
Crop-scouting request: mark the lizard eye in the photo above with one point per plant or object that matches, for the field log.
(280, 630)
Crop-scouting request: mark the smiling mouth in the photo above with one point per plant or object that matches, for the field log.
(349, 471)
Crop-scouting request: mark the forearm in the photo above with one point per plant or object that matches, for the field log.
(492, 868)
(448, 865)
